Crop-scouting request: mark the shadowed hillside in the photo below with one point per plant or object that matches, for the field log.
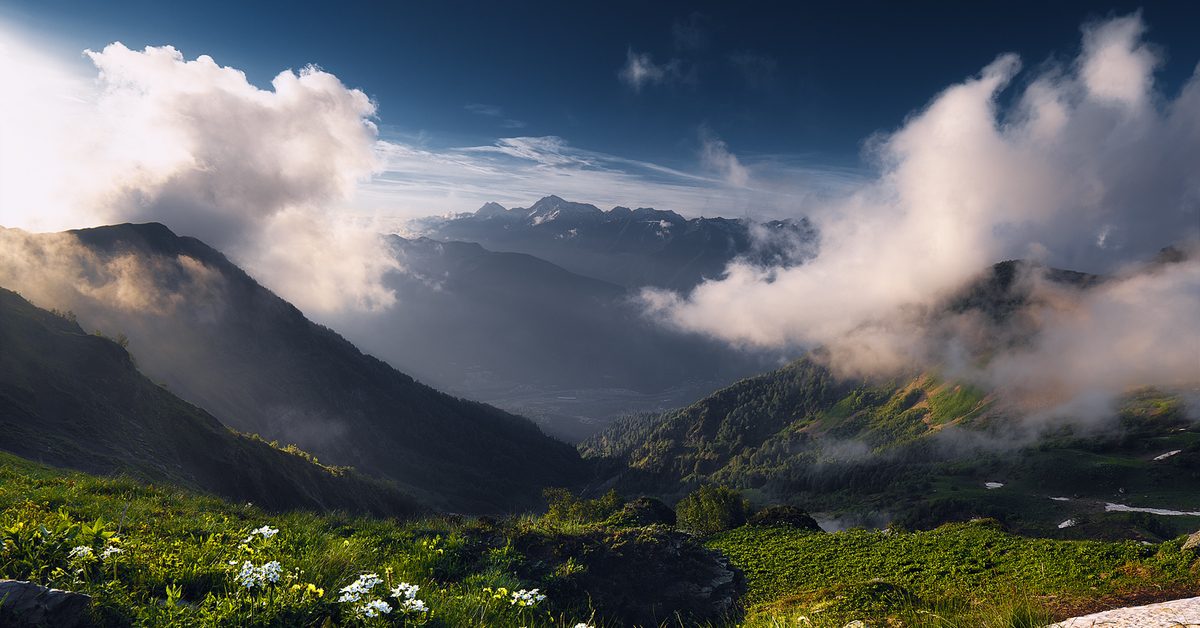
(220, 340)
(77, 400)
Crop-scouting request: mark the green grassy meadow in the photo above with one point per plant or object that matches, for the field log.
(162, 556)
(967, 569)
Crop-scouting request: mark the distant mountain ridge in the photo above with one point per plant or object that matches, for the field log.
(628, 247)
(225, 343)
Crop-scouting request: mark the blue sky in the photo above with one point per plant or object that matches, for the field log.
(641, 91)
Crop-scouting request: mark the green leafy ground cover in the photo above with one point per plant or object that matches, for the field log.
(160, 556)
(176, 559)
(956, 570)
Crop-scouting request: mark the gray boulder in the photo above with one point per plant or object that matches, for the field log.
(25, 604)
(1193, 541)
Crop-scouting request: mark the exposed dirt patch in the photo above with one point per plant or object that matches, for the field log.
(1065, 608)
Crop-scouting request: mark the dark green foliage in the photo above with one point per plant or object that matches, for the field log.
(565, 507)
(736, 431)
(643, 511)
(711, 509)
(917, 449)
(791, 516)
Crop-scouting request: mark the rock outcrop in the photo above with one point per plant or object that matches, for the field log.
(643, 576)
(25, 604)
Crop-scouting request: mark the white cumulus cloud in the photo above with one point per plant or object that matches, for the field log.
(1091, 169)
(257, 173)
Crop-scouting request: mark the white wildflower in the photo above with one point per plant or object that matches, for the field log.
(251, 576)
(353, 592)
(266, 532)
(526, 598)
(109, 551)
(270, 571)
(248, 576)
(583, 625)
(81, 551)
(405, 590)
(412, 605)
(375, 607)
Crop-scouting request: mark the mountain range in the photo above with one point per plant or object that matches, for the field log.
(210, 334)
(629, 247)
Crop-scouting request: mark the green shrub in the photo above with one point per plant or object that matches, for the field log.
(789, 516)
(641, 512)
(566, 508)
(711, 509)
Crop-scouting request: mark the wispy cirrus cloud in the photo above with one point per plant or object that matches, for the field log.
(484, 110)
(640, 70)
(420, 181)
(493, 111)
(715, 155)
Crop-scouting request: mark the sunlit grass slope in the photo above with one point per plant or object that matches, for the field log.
(962, 574)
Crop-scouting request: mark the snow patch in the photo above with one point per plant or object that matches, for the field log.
(1153, 511)
(993, 485)
(1168, 454)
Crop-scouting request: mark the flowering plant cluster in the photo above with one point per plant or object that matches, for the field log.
(86, 553)
(266, 532)
(251, 576)
(406, 594)
(359, 588)
(359, 592)
(525, 598)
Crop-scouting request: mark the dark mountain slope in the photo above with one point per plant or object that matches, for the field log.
(224, 342)
(76, 400)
